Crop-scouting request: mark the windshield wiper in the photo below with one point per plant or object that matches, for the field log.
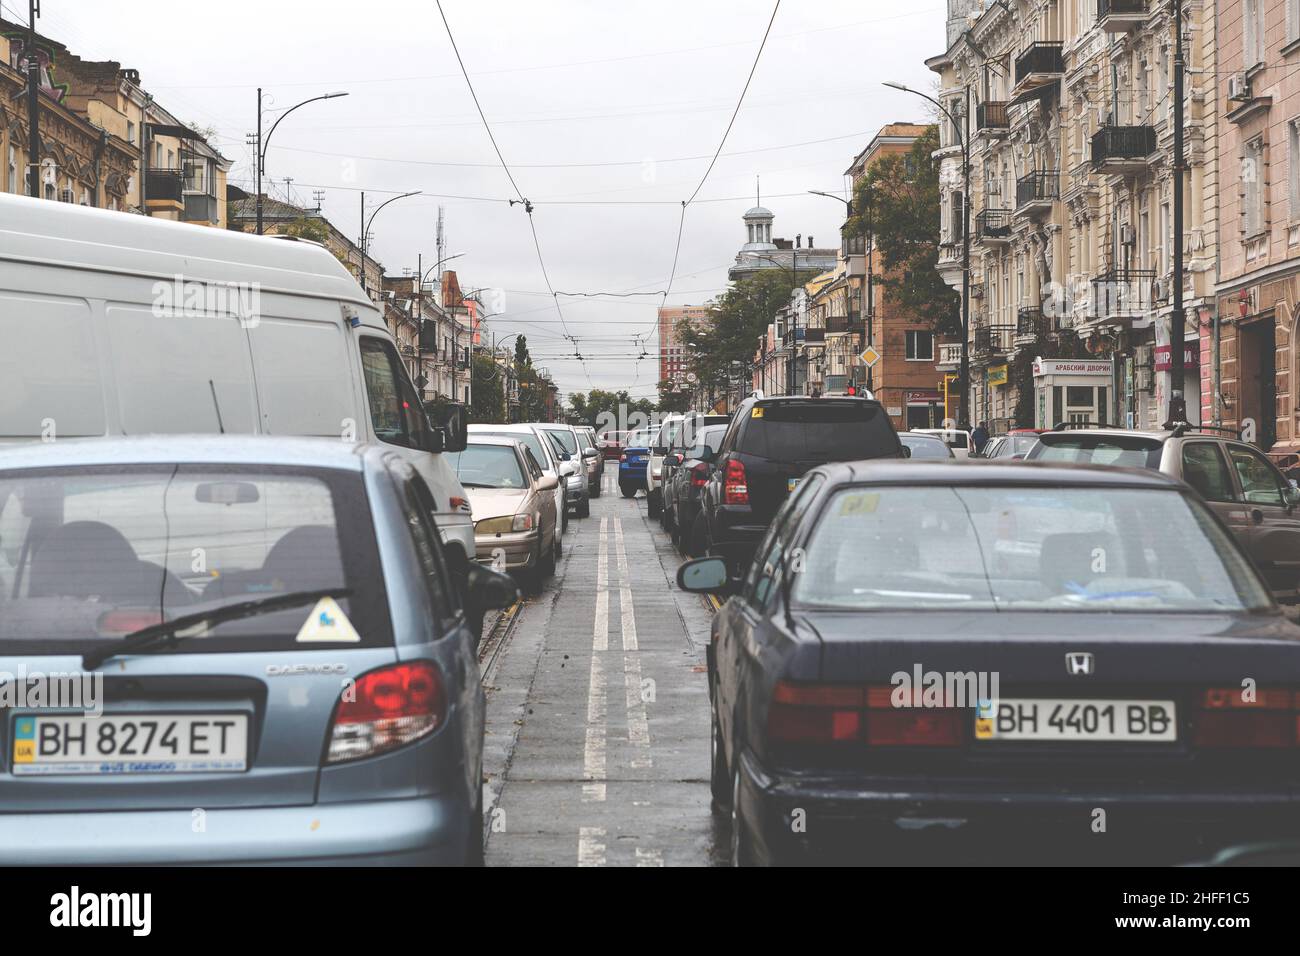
(166, 630)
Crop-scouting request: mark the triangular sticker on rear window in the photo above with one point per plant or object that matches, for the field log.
(327, 624)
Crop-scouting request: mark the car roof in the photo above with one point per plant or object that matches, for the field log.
(195, 449)
(482, 439)
(958, 472)
(515, 428)
(1159, 436)
(36, 230)
(920, 436)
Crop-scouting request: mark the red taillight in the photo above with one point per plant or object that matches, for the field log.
(837, 713)
(386, 709)
(459, 504)
(734, 489)
(127, 621)
(1229, 717)
(700, 475)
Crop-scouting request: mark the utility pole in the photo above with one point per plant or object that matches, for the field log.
(33, 102)
(1177, 324)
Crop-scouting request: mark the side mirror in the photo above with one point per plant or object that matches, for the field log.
(1293, 493)
(548, 483)
(676, 458)
(702, 574)
(453, 424)
(491, 589)
(1291, 612)
(590, 453)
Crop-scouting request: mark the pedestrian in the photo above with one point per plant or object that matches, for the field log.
(980, 437)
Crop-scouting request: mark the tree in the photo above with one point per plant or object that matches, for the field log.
(739, 317)
(488, 401)
(897, 202)
(673, 398)
(604, 410)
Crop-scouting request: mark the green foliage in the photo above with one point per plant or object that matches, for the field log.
(532, 387)
(308, 227)
(898, 201)
(672, 399)
(739, 317)
(598, 408)
(488, 400)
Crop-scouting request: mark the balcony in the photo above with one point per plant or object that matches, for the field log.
(989, 341)
(949, 356)
(1120, 16)
(1039, 65)
(993, 225)
(1031, 325)
(164, 189)
(1122, 293)
(1122, 149)
(200, 207)
(991, 117)
(1036, 191)
(839, 323)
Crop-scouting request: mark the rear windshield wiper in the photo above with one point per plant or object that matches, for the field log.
(166, 630)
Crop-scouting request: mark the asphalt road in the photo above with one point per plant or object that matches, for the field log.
(597, 749)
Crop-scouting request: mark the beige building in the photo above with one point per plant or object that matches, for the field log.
(1258, 94)
(105, 141)
(1067, 107)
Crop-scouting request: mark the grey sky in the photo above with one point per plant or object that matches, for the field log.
(562, 82)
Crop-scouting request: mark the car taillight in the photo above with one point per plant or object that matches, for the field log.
(1230, 717)
(700, 475)
(734, 489)
(386, 709)
(127, 621)
(840, 713)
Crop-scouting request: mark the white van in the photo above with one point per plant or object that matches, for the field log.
(116, 324)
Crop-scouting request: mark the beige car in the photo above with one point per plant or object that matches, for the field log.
(513, 504)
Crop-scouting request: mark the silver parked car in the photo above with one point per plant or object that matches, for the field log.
(514, 507)
(543, 449)
(277, 644)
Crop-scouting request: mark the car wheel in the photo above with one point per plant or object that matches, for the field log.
(739, 842)
(559, 549)
(629, 491)
(594, 489)
(720, 782)
(474, 840)
(653, 507)
(584, 508)
(531, 576)
(547, 564)
(699, 537)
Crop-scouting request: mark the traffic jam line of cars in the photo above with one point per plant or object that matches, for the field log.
(1069, 651)
(241, 531)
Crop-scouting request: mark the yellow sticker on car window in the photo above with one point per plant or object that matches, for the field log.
(756, 411)
(861, 503)
(327, 624)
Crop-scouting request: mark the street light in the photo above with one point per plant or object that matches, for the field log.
(366, 230)
(871, 302)
(262, 143)
(963, 379)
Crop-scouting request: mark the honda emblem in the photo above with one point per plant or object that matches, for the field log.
(1079, 662)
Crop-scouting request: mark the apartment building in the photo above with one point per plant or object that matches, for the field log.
(105, 140)
(1258, 94)
(672, 351)
(1066, 108)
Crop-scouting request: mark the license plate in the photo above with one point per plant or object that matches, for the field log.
(1145, 721)
(636, 459)
(791, 483)
(125, 744)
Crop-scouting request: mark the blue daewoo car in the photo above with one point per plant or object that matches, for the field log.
(633, 461)
(284, 674)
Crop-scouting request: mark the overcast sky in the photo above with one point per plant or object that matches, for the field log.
(645, 88)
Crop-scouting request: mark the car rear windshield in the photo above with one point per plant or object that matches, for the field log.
(488, 466)
(643, 438)
(1083, 449)
(926, 447)
(817, 431)
(528, 439)
(89, 554)
(1014, 548)
(566, 439)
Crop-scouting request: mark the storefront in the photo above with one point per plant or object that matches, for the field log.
(924, 408)
(1072, 390)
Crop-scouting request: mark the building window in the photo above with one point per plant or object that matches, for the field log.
(1252, 174)
(11, 183)
(920, 346)
(1293, 167)
(1292, 20)
(1252, 30)
(130, 132)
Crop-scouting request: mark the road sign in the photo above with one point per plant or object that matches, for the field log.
(870, 356)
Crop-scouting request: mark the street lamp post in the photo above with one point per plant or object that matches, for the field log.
(869, 308)
(262, 143)
(963, 138)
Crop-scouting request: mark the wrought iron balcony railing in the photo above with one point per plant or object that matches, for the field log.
(1122, 292)
(1043, 185)
(993, 224)
(991, 114)
(1040, 58)
(1123, 144)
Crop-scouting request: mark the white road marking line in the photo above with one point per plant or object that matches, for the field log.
(638, 727)
(593, 751)
(649, 857)
(591, 846)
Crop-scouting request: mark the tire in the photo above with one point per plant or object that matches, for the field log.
(739, 843)
(584, 508)
(653, 506)
(699, 540)
(531, 577)
(720, 782)
(629, 491)
(547, 563)
(474, 842)
(559, 549)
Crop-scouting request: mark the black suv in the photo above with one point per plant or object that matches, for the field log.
(768, 447)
